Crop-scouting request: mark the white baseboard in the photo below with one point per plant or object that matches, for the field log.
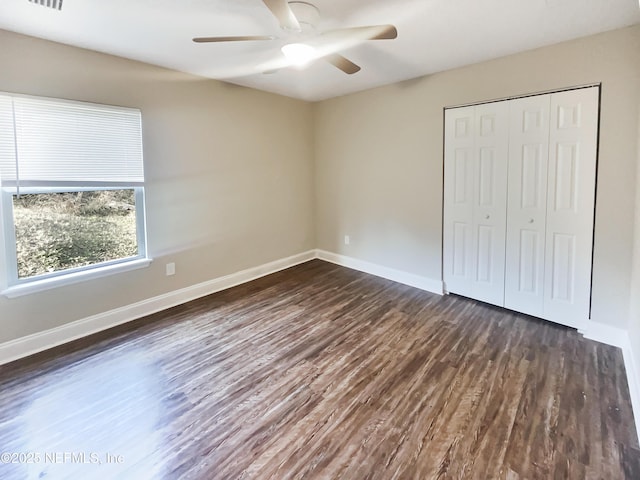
(633, 379)
(38, 342)
(604, 333)
(619, 337)
(411, 279)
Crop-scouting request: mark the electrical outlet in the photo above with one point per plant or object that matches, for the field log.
(171, 269)
(347, 240)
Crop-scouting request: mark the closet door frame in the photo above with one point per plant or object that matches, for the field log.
(562, 314)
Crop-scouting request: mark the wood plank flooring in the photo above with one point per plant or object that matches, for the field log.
(320, 372)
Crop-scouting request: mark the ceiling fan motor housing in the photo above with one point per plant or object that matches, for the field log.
(307, 14)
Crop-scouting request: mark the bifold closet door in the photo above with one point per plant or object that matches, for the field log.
(476, 146)
(551, 199)
(459, 177)
(527, 204)
(519, 201)
(570, 205)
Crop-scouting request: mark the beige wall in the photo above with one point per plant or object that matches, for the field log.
(229, 170)
(379, 158)
(634, 318)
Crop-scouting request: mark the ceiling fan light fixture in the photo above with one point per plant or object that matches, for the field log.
(299, 54)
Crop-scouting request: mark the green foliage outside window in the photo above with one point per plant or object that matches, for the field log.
(59, 231)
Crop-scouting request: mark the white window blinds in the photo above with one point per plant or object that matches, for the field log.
(50, 142)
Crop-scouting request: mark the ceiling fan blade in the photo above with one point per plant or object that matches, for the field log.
(344, 64)
(370, 32)
(231, 39)
(282, 11)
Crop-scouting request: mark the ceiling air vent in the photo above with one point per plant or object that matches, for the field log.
(55, 4)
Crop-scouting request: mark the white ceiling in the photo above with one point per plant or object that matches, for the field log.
(434, 35)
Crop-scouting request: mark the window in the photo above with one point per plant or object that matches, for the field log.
(72, 183)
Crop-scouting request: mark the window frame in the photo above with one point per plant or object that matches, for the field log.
(16, 286)
(11, 285)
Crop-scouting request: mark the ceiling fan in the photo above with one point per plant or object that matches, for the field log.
(304, 44)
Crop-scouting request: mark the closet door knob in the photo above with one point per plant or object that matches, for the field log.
(488, 217)
(531, 220)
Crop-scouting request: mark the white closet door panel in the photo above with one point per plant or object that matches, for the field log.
(490, 197)
(527, 203)
(459, 174)
(570, 206)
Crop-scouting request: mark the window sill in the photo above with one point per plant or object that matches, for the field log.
(75, 277)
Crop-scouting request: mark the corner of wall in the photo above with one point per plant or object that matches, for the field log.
(631, 366)
(314, 106)
(632, 359)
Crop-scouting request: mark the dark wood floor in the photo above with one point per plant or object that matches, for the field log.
(322, 372)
